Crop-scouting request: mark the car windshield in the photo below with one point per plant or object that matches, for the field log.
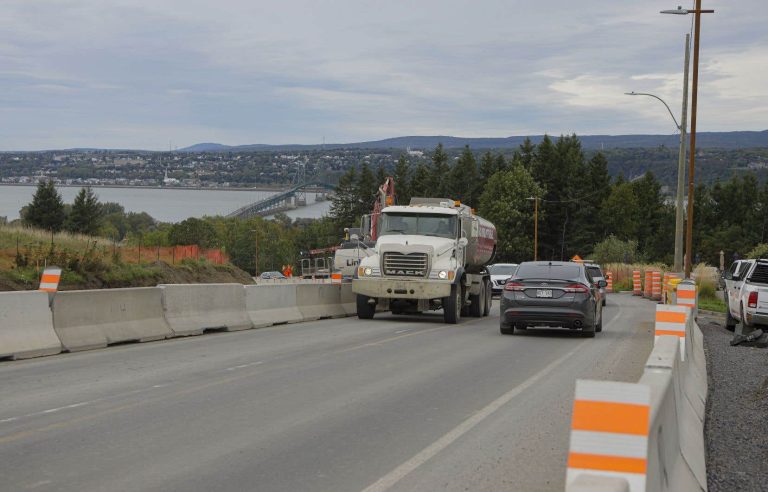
(595, 272)
(570, 273)
(439, 225)
(502, 269)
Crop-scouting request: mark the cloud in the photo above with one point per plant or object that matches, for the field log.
(135, 73)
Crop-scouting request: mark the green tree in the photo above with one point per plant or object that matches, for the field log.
(194, 231)
(620, 212)
(614, 250)
(463, 178)
(85, 217)
(422, 184)
(46, 210)
(403, 180)
(505, 203)
(439, 171)
(344, 200)
(366, 192)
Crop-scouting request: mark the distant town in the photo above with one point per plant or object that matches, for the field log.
(186, 169)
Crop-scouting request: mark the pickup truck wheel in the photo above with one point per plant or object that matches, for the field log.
(730, 321)
(746, 328)
(365, 310)
(452, 305)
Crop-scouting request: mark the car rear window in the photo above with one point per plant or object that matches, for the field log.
(550, 272)
(595, 272)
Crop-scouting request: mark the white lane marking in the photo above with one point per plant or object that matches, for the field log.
(242, 366)
(391, 478)
(78, 404)
(401, 331)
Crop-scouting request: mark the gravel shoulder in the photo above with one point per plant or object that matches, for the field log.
(736, 427)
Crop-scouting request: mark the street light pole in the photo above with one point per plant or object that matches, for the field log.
(692, 154)
(679, 211)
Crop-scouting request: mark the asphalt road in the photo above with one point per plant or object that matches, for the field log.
(396, 403)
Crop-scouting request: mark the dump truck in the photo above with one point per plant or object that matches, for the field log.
(429, 255)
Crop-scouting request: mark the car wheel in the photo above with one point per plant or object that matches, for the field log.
(452, 305)
(604, 301)
(588, 334)
(365, 310)
(730, 321)
(599, 324)
(507, 329)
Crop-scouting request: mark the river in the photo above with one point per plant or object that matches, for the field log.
(163, 204)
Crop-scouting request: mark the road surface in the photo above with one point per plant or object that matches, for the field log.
(395, 403)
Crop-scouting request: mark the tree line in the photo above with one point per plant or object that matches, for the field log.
(580, 206)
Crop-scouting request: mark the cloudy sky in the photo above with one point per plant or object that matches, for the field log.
(143, 73)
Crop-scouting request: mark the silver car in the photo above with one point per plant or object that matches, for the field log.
(500, 272)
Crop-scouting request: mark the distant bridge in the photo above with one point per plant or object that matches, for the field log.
(294, 197)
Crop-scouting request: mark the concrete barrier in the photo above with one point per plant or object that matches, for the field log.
(26, 326)
(319, 301)
(191, 309)
(268, 305)
(348, 300)
(674, 450)
(89, 319)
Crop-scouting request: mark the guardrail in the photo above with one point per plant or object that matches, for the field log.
(649, 435)
(32, 324)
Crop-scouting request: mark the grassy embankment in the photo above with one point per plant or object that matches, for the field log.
(97, 263)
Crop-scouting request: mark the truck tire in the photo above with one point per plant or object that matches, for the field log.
(730, 321)
(477, 303)
(452, 305)
(746, 328)
(365, 310)
(488, 298)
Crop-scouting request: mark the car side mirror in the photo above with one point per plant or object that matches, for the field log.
(602, 283)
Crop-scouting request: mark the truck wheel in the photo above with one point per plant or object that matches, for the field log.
(746, 328)
(730, 321)
(477, 303)
(488, 298)
(365, 310)
(452, 305)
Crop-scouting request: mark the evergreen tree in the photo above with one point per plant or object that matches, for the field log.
(46, 210)
(620, 212)
(463, 178)
(381, 175)
(403, 180)
(440, 170)
(366, 192)
(344, 201)
(527, 153)
(422, 184)
(86, 214)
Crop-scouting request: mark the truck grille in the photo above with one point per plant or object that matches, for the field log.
(405, 265)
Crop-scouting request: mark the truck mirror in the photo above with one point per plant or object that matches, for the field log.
(463, 242)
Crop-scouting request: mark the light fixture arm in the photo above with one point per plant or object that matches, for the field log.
(633, 93)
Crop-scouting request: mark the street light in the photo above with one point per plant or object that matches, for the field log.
(694, 100)
(679, 220)
(535, 226)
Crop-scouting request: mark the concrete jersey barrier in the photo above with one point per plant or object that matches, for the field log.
(89, 319)
(319, 301)
(190, 309)
(272, 304)
(26, 326)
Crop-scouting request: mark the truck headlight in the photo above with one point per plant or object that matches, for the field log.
(442, 275)
(368, 271)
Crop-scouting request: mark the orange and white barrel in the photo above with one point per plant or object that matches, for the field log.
(656, 286)
(637, 283)
(648, 284)
(609, 432)
(609, 281)
(49, 280)
(336, 278)
(672, 320)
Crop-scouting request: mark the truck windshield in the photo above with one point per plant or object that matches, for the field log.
(420, 224)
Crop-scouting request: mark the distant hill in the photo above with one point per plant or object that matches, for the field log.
(723, 140)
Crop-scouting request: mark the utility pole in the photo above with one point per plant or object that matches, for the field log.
(679, 210)
(535, 227)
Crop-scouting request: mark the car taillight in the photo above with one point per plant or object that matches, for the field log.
(576, 288)
(514, 286)
(752, 301)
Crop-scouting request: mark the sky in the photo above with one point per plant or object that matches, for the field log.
(154, 74)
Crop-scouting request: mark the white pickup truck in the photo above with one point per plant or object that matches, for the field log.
(746, 284)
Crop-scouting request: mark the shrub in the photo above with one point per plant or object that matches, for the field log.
(614, 250)
(760, 251)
